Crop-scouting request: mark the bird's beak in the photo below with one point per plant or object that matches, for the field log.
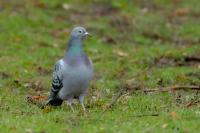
(87, 34)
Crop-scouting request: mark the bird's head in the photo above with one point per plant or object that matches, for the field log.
(79, 32)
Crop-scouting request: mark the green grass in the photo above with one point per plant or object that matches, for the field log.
(128, 37)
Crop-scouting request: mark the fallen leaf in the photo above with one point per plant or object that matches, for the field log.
(164, 125)
(39, 4)
(66, 6)
(181, 12)
(173, 114)
(28, 130)
(176, 1)
(110, 40)
(121, 53)
(39, 97)
(188, 105)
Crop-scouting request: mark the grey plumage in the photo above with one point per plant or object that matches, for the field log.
(72, 73)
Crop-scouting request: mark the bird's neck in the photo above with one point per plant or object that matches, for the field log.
(74, 47)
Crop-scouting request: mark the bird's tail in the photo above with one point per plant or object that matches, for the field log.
(53, 100)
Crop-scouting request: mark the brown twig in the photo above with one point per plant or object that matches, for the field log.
(192, 58)
(114, 100)
(125, 89)
(192, 103)
(173, 88)
(122, 90)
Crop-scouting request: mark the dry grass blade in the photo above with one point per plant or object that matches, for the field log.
(143, 115)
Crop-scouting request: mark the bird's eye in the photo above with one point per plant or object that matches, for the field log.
(79, 31)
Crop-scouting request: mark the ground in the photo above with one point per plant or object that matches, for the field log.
(142, 43)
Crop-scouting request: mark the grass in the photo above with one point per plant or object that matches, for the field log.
(128, 38)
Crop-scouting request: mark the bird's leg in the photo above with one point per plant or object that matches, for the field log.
(69, 102)
(81, 99)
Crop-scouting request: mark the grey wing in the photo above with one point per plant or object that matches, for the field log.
(57, 78)
(56, 84)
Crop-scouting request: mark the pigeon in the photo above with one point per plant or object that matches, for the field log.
(72, 73)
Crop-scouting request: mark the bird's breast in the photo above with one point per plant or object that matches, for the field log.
(80, 72)
(76, 77)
